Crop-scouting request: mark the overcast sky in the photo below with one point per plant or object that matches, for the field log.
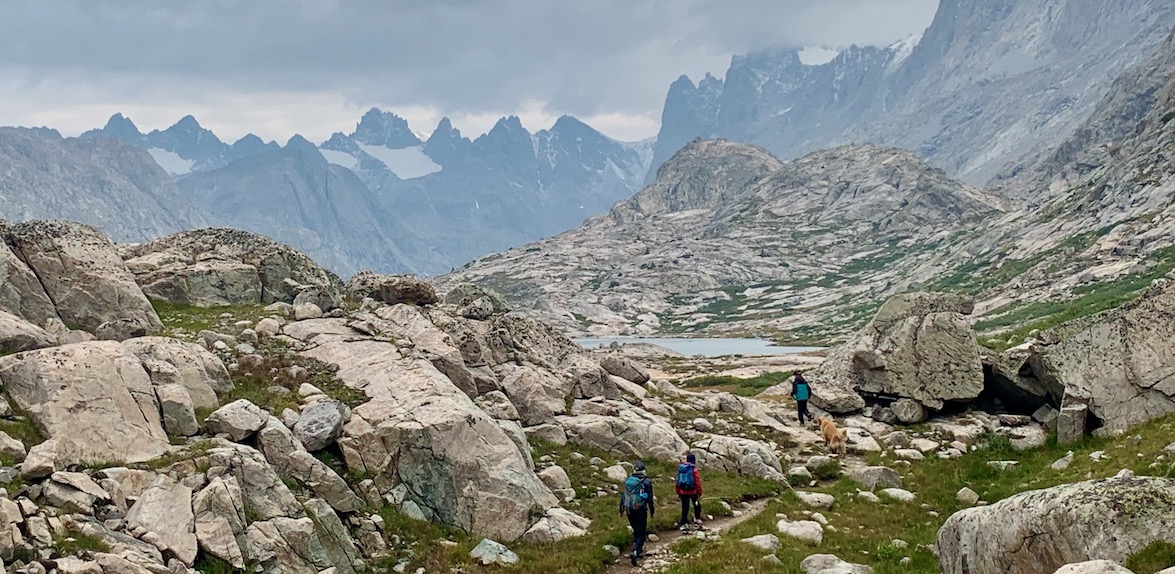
(279, 67)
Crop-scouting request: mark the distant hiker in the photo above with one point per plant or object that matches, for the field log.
(689, 490)
(636, 501)
(800, 391)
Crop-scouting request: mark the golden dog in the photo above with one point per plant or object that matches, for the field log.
(834, 439)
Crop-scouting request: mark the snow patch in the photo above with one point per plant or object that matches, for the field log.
(902, 49)
(406, 163)
(340, 158)
(817, 55)
(171, 162)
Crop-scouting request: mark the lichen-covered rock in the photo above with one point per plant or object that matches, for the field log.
(21, 293)
(425, 439)
(282, 272)
(739, 455)
(166, 509)
(918, 346)
(1043, 530)
(175, 404)
(291, 460)
(1120, 362)
(631, 431)
(82, 274)
(209, 281)
(558, 524)
(319, 424)
(466, 294)
(95, 394)
(391, 289)
(171, 361)
(1094, 567)
(238, 419)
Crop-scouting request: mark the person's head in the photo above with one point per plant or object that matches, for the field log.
(638, 466)
(690, 458)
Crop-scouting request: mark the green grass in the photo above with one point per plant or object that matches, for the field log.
(77, 543)
(578, 555)
(1091, 299)
(865, 530)
(256, 381)
(744, 387)
(181, 320)
(1152, 559)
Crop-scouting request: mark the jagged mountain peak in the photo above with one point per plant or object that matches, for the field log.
(387, 129)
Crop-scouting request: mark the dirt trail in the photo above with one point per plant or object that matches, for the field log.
(658, 554)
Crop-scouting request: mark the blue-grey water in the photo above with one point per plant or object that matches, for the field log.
(708, 347)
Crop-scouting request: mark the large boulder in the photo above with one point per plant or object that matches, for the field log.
(918, 346)
(171, 361)
(82, 274)
(630, 431)
(391, 289)
(536, 394)
(94, 394)
(431, 449)
(18, 335)
(1120, 363)
(207, 266)
(1043, 530)
(624, 368)
(21, 292)
(166, 509)
(291, 460)
(466, 294)
(208, 281)
(739, 455)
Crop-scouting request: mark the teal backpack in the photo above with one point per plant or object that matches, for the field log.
(634, 496)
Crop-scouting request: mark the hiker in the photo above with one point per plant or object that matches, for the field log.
(689, 490)
(800, 391)
(636, 501)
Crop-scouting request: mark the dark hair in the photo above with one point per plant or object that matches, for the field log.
(638, 465)
(691, 458)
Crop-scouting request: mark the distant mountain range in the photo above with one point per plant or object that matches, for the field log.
(987, 84)
(983, 94)
(381, 198)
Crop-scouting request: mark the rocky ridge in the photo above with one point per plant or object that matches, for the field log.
(729, 238)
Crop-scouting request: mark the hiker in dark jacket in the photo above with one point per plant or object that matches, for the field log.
(689, 489)
(636, 501)
(800, 391)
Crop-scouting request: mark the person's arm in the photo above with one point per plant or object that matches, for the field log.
(698, 481)
(794, 385)
(649, 491)
(622, 502)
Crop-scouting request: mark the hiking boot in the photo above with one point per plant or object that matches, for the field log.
(632, 557)
(683, 528)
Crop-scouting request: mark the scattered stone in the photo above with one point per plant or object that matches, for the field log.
(868, 496)
(798, 475)
(319, 424)
(909, 454)
(768, 542)
(1094, 567)
(179, 416)
(816, 499)
(897, 439)
(829, 564)
(1063, 462)
(555, 477)
(1071, 423)
(804, 530)
(11, 449)
(238, 419)
(488, 552)
(616, 473)
(898, 494)
(1002, 464)
(1015, 420)
(702, 425)
(873, 477)
(908, 411)
(307, 311)
(967, 497)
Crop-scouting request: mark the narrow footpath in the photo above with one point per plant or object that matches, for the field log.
(659, 555)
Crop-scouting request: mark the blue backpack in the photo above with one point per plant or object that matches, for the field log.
(685, 476)
(802, 391)
(634, 495)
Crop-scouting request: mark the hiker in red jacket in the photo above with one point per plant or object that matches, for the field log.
(689, 490)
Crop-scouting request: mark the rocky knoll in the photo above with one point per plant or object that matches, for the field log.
(1043, 530)
(729, 235)
(220, 266)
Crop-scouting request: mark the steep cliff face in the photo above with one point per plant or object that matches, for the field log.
(986, 84)
(108, 184)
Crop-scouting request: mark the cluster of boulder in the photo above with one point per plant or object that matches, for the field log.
(919, 356)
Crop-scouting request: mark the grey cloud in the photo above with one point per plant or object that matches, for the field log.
(594, 57)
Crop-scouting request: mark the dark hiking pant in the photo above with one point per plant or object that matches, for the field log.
(688, 500)
(639, 520)
(802, 407)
